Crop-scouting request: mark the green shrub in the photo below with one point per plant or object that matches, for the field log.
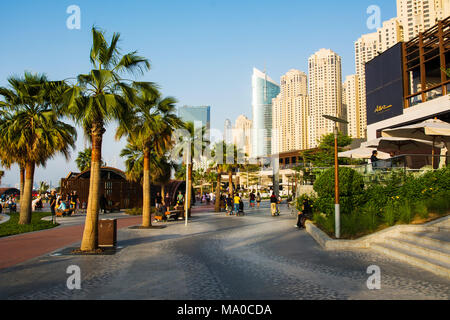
(351, 224)
(350, 183)
(351, 190)
(405, 213)
(389, 214)
(421, 209)
(370, 219)
(324, 222)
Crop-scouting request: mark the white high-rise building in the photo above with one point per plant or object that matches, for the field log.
(228, 132)
(264, 89)
(325, 93)
(351, 100)
(290, 112)
(241, 136)
(389, 34)
(416, 16)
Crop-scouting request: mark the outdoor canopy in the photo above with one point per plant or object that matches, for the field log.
(394, 144)
(363, 153)
(434, 130)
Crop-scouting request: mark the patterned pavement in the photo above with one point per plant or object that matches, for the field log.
(218, 257)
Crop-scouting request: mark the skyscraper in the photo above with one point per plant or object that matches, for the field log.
(290, 112)
(416, 16)
(228, 132)
(264, 90)
(325, 93)
(242, 134)
(351, 100)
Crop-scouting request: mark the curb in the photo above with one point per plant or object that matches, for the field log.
(328, 243)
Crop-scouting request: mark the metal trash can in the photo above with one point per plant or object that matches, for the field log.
(107, 233)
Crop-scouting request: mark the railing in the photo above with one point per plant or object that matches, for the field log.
(382, 169)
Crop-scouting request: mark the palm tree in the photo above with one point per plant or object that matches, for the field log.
(226, 158)
(198, 145)
(159, 167)
(150, 129)
(32, 127)
(83, 160)
(99, 97)
(43, 187)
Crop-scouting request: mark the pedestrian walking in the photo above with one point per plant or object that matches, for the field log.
(252, 199)
(258, 200)
(274, 204)
(52, 200)
(237, 200)
(229, 201)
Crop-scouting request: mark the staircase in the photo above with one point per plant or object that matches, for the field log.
(428, 249)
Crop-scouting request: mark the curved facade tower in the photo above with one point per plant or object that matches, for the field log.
(264, 90)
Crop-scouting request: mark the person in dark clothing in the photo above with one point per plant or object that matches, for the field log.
(158, 201)
(274, 204)
(103, 203)
(304, 214)
(229, 205)
(52, 201)
(374, 160)
(167, 200)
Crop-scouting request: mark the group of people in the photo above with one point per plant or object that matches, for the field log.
(9, 203)
(234, 204)
(67, 204)
(206, 198)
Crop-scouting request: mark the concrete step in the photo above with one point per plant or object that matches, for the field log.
(427, 238)
(437, 267)
(430, 251)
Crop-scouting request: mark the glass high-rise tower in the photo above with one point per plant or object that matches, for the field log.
(264, 90)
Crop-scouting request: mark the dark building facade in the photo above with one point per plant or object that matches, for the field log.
(408, 83)
(118, 191)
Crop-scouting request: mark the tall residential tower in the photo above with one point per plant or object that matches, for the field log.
(290, 112)
(325, 93)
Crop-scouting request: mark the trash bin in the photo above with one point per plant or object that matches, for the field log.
(107, 233)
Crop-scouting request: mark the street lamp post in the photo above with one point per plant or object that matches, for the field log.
(337, 208)
(188, 163)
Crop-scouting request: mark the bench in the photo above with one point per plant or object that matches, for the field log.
(67, 212)
(114, 207)
(171, 214)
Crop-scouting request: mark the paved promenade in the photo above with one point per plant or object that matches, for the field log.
(218, 258)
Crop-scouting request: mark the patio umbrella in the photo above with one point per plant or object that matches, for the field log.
(434, 130)
(362, 153)
(391, 144)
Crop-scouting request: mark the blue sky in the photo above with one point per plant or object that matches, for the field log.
(202, 51)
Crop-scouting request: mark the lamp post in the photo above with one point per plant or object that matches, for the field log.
(188, 163)
(337, 208)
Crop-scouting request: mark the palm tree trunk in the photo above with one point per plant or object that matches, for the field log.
(230, 182)
(217, 204)
(25, 203)
(146, 204)
(163, 192)
(22, 183)
(90, 234)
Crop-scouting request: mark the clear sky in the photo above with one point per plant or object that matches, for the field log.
(202, 51)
